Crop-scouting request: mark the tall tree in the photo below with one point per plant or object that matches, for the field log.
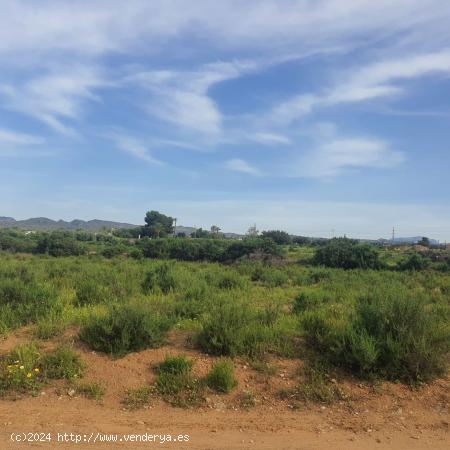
(157, 224)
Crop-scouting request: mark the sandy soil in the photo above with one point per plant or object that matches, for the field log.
(386, 416)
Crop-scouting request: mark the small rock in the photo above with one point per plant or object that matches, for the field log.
(71, 392)
(140, 422)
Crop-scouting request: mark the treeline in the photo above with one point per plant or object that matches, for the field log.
(64, 243)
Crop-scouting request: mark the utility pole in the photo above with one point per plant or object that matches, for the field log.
(393, 234)
(175, 227)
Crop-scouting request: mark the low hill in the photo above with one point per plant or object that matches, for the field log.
(43, 223)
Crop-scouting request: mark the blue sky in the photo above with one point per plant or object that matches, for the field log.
(323, 117)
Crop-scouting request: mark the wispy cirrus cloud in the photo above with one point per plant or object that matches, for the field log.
(54, 97)
(182, 99)
(239, 165)
(14, 138)
(131, 145)
(373, 81)
(338, 155)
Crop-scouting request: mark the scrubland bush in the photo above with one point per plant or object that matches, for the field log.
(414, 261)
(392, 335)
(221, 377)
(63, 362)
(347, 254)
(90, 292)
(161, 278)
(22, 303)
(26, 369)
(20, 371)
(311, 298)
(233, 328)
(269, 276)
(176, 383)
(125, 328)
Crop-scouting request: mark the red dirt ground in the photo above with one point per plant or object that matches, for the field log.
(388, 416)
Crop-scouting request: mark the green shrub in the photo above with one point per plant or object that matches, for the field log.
(270, 277)
(310, 299)
(22, 303)
(90, 292)
(138, 398)
(234, 328)
(414, 261)
(21, 371)
(92, 391)
(390, 335)
(175, 365)
(125, 328)
(63, 362)
(229, 281)
(347, 254)
(221, 377)
(161, 277)
(176, 383)
(50, 326)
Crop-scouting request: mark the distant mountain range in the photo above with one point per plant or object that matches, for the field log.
(42, 223)
(45, 224)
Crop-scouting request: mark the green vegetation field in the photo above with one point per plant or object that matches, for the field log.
(386, 322)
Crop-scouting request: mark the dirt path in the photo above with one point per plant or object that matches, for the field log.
(256, 429)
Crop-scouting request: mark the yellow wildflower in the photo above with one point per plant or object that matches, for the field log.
(21, 367)
(29, 375)
(36, 370)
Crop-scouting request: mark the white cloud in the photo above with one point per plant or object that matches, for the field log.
(373, 81)
(333, 157)
(93, 27)
(267, 138)
(15, 144)
(181, 97)
(53, 97)
(13, 138)
(132, 146)
(239, 165)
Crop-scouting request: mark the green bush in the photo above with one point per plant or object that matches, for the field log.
(234, 328)
(221, 377)
(92, 391)
(20, 371)
(310, 299)
(346, 253)
(160, 278)
(22, 303)
(138, 398)
(414, 261)
(59, 243)
(176, 383)
(125, 328)
(90, 292)
(389, 335)
(63, 362)
(269, 276)
(175, 365)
